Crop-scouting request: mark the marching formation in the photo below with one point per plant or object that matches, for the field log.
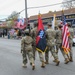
(54, 44)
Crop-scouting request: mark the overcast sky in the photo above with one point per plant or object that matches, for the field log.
(8, 6)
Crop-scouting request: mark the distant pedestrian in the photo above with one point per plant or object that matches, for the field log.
(8, 35)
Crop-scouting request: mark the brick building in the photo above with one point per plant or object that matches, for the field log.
(48, 17)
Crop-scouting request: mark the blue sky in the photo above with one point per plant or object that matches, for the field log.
(8, 6)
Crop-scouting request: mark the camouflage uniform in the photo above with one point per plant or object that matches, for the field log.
(71, 42)
(50, 36)
(26, 49)
(34, 34)
(59, 44)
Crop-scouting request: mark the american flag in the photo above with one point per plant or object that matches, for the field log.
(65, 35)
(20, 22)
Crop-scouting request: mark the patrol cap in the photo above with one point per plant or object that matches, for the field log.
(35, 23)
(69, 24)
(59, 25)
(27, 31)
(49, 24)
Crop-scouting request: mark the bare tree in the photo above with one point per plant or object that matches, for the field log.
(11, 18)
(14, 15)
(68, 4)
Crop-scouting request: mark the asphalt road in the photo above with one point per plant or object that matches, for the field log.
(11, 62)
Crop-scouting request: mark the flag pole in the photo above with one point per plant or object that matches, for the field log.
(53, 22)
(26, 13)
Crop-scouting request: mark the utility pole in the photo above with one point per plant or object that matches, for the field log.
(26, 13)
(27, 25)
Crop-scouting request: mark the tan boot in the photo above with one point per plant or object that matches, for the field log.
(33, 66)
(57, 62)
(71, 59)
(24, 66)
(43, 65)
(46, 62)
(54, 60)
(66, 61)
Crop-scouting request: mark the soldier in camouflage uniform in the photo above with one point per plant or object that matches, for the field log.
(50, 36)
(26, 49)
(71, 41)
(34, 35)
(59, 43)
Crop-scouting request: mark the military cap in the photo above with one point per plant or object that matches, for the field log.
(49, 24)
(27, 31)
(69, 24)
(35, 23)
(59, 25)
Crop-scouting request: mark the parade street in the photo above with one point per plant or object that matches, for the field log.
(11, 61)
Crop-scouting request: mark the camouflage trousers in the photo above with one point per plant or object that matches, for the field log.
(52, 50)
(40, 54)
(30, 56)
(59, 47)
(34, 51)
(71, 51)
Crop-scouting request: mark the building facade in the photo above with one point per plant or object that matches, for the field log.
(48, 17)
